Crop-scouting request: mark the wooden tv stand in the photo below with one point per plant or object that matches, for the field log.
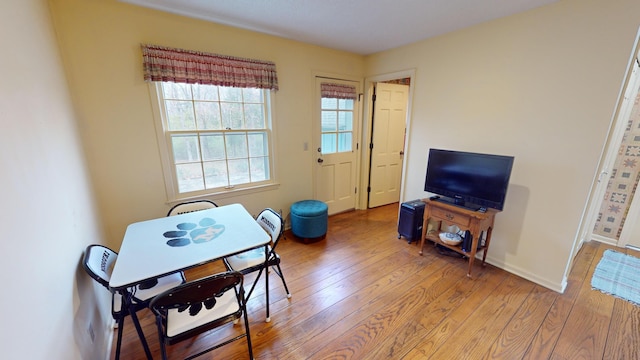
(474, 221)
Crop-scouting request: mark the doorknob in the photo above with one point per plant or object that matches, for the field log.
(320, 161)
(401, 153)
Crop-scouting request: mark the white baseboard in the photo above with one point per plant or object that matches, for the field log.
(604, 240)
(552, 285)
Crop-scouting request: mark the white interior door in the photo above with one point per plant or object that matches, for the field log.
(336, 146)
(389, 124)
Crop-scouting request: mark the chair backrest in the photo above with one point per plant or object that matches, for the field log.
(191, 206)
(202, 293)
(98, 263)
(272, 223)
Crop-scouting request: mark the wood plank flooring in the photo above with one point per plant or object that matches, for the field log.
(362, 293)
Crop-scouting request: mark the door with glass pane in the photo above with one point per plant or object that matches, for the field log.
(335, 143)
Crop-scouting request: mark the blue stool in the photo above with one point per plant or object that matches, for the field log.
(309, 219)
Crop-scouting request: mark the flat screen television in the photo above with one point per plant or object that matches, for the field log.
(470, 180)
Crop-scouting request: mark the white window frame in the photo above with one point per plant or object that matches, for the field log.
(166, 155)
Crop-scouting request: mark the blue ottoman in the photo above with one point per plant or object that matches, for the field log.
(309, 219)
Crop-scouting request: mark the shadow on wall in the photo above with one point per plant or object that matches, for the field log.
(512, 215)
(92, 319)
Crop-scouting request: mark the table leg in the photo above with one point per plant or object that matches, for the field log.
(474, 248)
(425, 225)
(128, 302)
(471, 258)
(486, 245)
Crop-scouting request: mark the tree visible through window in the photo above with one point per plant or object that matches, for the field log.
(218, 137)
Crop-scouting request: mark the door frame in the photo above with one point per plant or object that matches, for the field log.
(367, 130)
(600, 179)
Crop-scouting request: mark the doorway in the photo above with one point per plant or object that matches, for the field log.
(387, 141)
(611, 203)
(622, 172)
(383, 170)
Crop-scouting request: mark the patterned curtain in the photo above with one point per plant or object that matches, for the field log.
(193, 67)
(338, 91)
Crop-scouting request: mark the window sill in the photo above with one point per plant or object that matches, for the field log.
(228, 193)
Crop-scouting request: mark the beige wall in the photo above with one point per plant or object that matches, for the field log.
(540, 86)
(49, 214)
(101, 46)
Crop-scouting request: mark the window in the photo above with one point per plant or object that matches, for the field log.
(214, 125)
(337, 117)
(337, 125)
(216, 138)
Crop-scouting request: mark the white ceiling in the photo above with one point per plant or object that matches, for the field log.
(358, 26)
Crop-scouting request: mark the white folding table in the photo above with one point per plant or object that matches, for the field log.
(153, 248)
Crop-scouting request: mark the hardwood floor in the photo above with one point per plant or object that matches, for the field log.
(364, 294)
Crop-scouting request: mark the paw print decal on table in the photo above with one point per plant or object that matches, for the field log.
(204, 231)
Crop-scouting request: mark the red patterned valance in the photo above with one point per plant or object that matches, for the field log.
(193, 67)
(338, 91)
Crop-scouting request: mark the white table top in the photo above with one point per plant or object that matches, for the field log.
(161, 246)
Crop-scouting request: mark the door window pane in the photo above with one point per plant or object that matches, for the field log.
(336, 125)
(346, 104)
(329, 121)
(344, 142)
(329, 103)
(345, 121)
(329, 143)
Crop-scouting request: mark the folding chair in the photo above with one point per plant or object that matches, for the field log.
(98, 263)
(199, 306)
(191, 206)
(254, 260)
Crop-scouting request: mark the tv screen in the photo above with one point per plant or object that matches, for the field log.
(467, 179)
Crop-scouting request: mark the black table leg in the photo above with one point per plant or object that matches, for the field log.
(126, 298)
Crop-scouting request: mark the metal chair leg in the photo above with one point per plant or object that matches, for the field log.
(120, 330)
(126, 298)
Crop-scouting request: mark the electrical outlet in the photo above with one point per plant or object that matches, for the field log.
(92, 334)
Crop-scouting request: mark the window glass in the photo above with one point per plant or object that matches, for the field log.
(336, 125)
(217, 137)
